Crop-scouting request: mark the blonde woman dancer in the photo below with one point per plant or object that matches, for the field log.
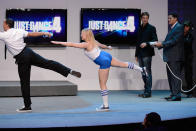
(101, 58)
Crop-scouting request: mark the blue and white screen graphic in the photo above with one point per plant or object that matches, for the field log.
(115, 27)
(53, 21)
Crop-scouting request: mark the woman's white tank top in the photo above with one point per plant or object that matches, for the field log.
(93, 54)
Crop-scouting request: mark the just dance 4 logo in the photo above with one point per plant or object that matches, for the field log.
(36, 26)
(120, 25)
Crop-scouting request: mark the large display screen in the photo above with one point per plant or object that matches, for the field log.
(53, 21)
(116, 27)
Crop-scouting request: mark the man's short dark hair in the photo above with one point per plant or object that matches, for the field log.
(145, 14)
(188, 23)
(153, 119)
(10, 23)
(173, 14)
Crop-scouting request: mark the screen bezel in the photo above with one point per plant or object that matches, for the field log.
(114, 44)
(47, 42)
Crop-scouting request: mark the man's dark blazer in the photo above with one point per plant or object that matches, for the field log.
(145, 34)
(173, 45)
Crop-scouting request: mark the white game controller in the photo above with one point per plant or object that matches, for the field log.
(152, 44)
(46, 36)
(110, 47)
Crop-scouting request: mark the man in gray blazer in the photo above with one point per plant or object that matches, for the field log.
(173, 54)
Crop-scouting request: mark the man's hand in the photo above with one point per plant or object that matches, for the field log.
(158, 44)
(143, 45)
(47, 34)
(55, 42)
(136, 59)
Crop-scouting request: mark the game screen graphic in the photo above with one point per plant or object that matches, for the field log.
(116, 27)
(53, 21)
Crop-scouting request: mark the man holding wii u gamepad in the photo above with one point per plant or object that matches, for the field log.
(144, 51)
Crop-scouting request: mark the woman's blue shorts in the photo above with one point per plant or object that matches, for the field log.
(104, 60)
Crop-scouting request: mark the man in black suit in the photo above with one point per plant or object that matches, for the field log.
(173, 54)
(144, 52)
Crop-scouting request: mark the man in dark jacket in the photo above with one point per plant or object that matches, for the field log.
(188, 55)
(173, 54)
(144, 52)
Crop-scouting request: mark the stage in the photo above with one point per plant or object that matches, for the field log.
(79, 111)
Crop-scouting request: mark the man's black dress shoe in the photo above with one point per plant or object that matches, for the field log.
(169, 97)
(141, 95)
(145, 95)
(174, 98)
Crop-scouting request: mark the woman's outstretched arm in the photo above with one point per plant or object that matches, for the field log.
(103, 46)
(70, 44)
